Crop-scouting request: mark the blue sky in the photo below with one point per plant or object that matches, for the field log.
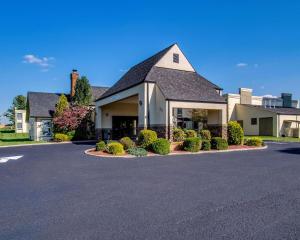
(234, 44)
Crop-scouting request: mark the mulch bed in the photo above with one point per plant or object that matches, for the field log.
(174, 152)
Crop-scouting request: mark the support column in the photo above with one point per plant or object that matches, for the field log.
(98, 123)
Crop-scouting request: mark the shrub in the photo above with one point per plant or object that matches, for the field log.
(137, 151)
(190, 133)
(71, 135)
(235, 133)
(161, 146)
(100, 146)
(192, 144)
(146, 138)
(115, 148)
(206, 146)
(254, 141)
(127, 143)
(219, 143)
(205, 135)
(178, 135)
(60, 137)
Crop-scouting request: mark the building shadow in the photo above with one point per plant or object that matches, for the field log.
(291, 150)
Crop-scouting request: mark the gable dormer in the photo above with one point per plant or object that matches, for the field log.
(175, 59)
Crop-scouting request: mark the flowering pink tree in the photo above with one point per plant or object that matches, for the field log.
(70, 119)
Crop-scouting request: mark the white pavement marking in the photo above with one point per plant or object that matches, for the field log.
(5, 159)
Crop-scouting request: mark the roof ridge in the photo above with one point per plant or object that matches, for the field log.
(154, 55)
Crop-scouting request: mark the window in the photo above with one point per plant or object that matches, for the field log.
(175, 57)
(19, 116)
(253, 121)
(19, 126)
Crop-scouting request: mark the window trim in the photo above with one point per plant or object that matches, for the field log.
(175, 58)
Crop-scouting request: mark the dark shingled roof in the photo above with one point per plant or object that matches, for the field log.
(97, 92)
(136, 74)
(42, 104)
(281, 110)
(175, 84)
(184, 86)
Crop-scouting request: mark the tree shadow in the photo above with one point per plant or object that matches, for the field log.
(290, 150)
(87, 143)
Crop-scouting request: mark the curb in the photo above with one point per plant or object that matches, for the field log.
(179, 154)
(47, 143)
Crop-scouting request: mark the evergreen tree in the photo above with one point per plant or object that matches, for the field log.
(83, 92)
(62, 105)
(19, 102)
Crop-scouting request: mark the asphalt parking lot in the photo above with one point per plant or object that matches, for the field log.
(58, 192)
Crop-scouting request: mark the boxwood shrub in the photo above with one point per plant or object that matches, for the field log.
(235, 133)
(205, 135)
(100, 146)
(127, 143)
(192, 144)
(254, 141)
(190, 133)
(161, 146)
(137, 151)
(178, 135)
(206, 146)
(60, 137)
(219, 143)
(115, 148)
(146, 138)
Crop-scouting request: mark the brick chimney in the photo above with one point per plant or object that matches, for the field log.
(74, 76)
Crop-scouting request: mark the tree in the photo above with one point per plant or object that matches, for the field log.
(83, 92)
(62, 105)
(70, 119)
(19, 102)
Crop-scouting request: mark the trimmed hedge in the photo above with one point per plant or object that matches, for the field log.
(71, 135)
(60, 137)
(146, 138)
(190, 133)
(100, 146)
(127, 143)
(219, 143)
(206, 146)
(235, 133)
(205, 135)
(115, 148)
(192, 144)
(137, 151)
(161, 146)
(254, 141)
(178, 135)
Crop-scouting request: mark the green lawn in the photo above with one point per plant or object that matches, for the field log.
(12, 138)
(276, 139)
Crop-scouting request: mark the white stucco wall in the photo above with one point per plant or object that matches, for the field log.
(245, 113)
(167, 60)
(22, 121)
(35, 129)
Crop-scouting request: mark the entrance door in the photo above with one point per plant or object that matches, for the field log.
(124, 126)
(266, 126)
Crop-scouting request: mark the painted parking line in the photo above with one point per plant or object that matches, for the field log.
(6, 159)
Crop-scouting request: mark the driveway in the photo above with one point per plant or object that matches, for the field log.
(57, 192)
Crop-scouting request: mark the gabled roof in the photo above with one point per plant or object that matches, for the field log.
(97, 92)
(175, 84)
(280, 110)
(43, 104)
(184, 86)
(137, 74)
